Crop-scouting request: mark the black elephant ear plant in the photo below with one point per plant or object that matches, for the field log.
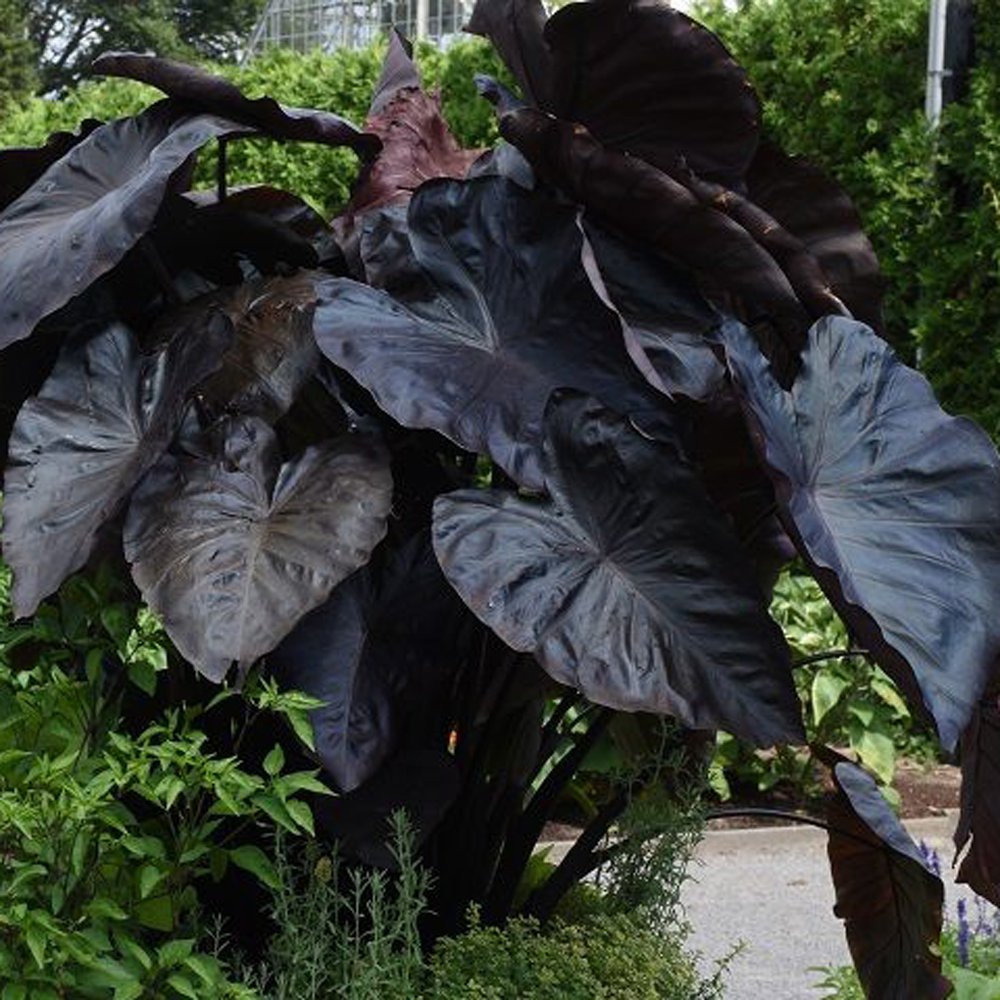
(525, 427)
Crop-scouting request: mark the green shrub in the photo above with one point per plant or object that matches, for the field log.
(930, 205)
(341, 82)
(847, 702)
(344, 932)
(104, 834)
(606, 957)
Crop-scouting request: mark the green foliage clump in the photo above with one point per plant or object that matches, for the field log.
(106, 833)
(847, 702)
(606, 957)
(343, 932)
(929, 202)
(17, 69)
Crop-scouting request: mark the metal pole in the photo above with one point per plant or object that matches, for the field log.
(423, 17)
(935, 61)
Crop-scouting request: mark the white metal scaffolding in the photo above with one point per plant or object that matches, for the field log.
(304, 25)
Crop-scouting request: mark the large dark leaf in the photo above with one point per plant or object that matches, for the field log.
(103, 417)
(893, 502)
(648, 81)
(666, 317)
(273, 353)
(21, 166)
(205, 92)
(420, 783)
(627, 585)
(378, 653)
(504, 314)
(233, 547)
(888, 898)
(819, 212)
(630, 196)
(980, 816)
(88, 209)
(515, 27)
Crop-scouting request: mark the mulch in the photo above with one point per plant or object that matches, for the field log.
(924, 790)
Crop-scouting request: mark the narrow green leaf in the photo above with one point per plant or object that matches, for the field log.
(255, 861)
(827, 689)
(302, 815)
(274, 761)
(878, 753)
(183, 985)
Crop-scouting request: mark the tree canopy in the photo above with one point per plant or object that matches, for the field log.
(69, 34)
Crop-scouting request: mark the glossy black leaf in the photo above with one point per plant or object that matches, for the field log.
(232, 547)
(503, 314)
(819, 212)
(667, 320)
(627, 585)
(887, 896)
(977, 837)
(104, 416)
(893, 502)
(281, 207)
(273, 352)
(631, 197)
(90, 208)
(648, 81)
(379, 653)
(205, 92)
(515, 27)
(422, 783)
(21, 166)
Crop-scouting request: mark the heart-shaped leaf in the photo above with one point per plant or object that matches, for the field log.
(887, 896)
(215, 95)
(498, 312)
(647, 80)
(104, 416)
(893, 502)
(377, 653)
(233, 547)
(417, 144)
(90, 208)
(626, 585)
(979, 823)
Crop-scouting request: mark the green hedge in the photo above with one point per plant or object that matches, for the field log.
(842, 82)
(341, 82)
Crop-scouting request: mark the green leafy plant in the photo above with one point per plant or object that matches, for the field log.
(107, 834)
(344, 931)
(847, 701)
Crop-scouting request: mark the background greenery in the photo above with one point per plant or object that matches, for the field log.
(842, 83)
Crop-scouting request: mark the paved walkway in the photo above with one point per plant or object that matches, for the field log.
(771, 889)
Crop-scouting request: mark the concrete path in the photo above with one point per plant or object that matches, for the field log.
(770, 888)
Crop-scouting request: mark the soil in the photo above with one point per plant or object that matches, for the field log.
(924, 790)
